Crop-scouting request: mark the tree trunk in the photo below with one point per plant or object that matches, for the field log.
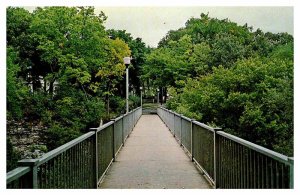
(45, 85)
(51, 84)
(107, 105)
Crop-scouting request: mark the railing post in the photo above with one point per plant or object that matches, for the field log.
(192, 145)
(180, 130)
(291, 181)
(96, 156)
(216, 157)
(174, 124)
(32, 163)
(123, 129)
(113, 140)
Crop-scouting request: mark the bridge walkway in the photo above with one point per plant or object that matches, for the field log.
(152, 158)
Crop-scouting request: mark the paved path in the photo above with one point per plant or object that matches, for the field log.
(151, 158)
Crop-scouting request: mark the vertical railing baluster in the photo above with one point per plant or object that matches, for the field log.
(232, 164)
(81, 170)
(267, 173)
(86, 162)
(282, 176)
(240, 167)
(191, 140)
(255, 170)
(181, 130)
(272, 173)
(247, 167)
(291, 173)
(123, 134)
(46, 176)
(258, 171)
(56, 176)
(277, 175)
(95, 141)
(216, 156)
(226, 167)
(63, 170)
(74, 167)
(77, 159)
(243, 174)
(237, 166)
(262, 173)
(174, 116)
(113, 139)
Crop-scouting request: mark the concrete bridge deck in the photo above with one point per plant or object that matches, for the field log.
(152, 158)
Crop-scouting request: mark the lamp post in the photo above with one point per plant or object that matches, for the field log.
(141, 88)
(127, 62)
(157, 96)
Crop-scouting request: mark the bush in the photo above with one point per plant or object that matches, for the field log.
(58, 135)
(253, 100)
(117, 105)
(134, 102)
(12, 156)
(16, 90)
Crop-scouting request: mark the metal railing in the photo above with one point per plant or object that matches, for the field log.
(229, 161)
(80, 163)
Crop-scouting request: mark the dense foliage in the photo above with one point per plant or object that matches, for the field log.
(226, 75)
(64, 70)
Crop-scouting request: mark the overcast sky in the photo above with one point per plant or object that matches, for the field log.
(152, 23)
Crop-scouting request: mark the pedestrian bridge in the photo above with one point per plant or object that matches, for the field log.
(163, 151)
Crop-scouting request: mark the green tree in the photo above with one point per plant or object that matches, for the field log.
(74, 67)
(138, 52)
(253, 100)
(15, 87)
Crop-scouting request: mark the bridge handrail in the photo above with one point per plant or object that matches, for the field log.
(103, 126)
(275, 155)
(53, 153)
(16, 173)
(38, 171)
(204, 126)
(218, 154)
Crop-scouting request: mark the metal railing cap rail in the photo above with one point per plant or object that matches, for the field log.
(258, 148)
(163, 108)
(128, 113)
(16, 173)
(102, 127)
(118, 118)
(131, 111)
(203, 125)
(179, 115)
(136, 108)
(170, 111)
(61, 149)
(186, 118)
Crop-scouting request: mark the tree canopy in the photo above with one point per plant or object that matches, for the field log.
(64, 69)
(230, 76)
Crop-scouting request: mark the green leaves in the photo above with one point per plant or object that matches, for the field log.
(253, 99)
(16, 89)
(72, 65)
